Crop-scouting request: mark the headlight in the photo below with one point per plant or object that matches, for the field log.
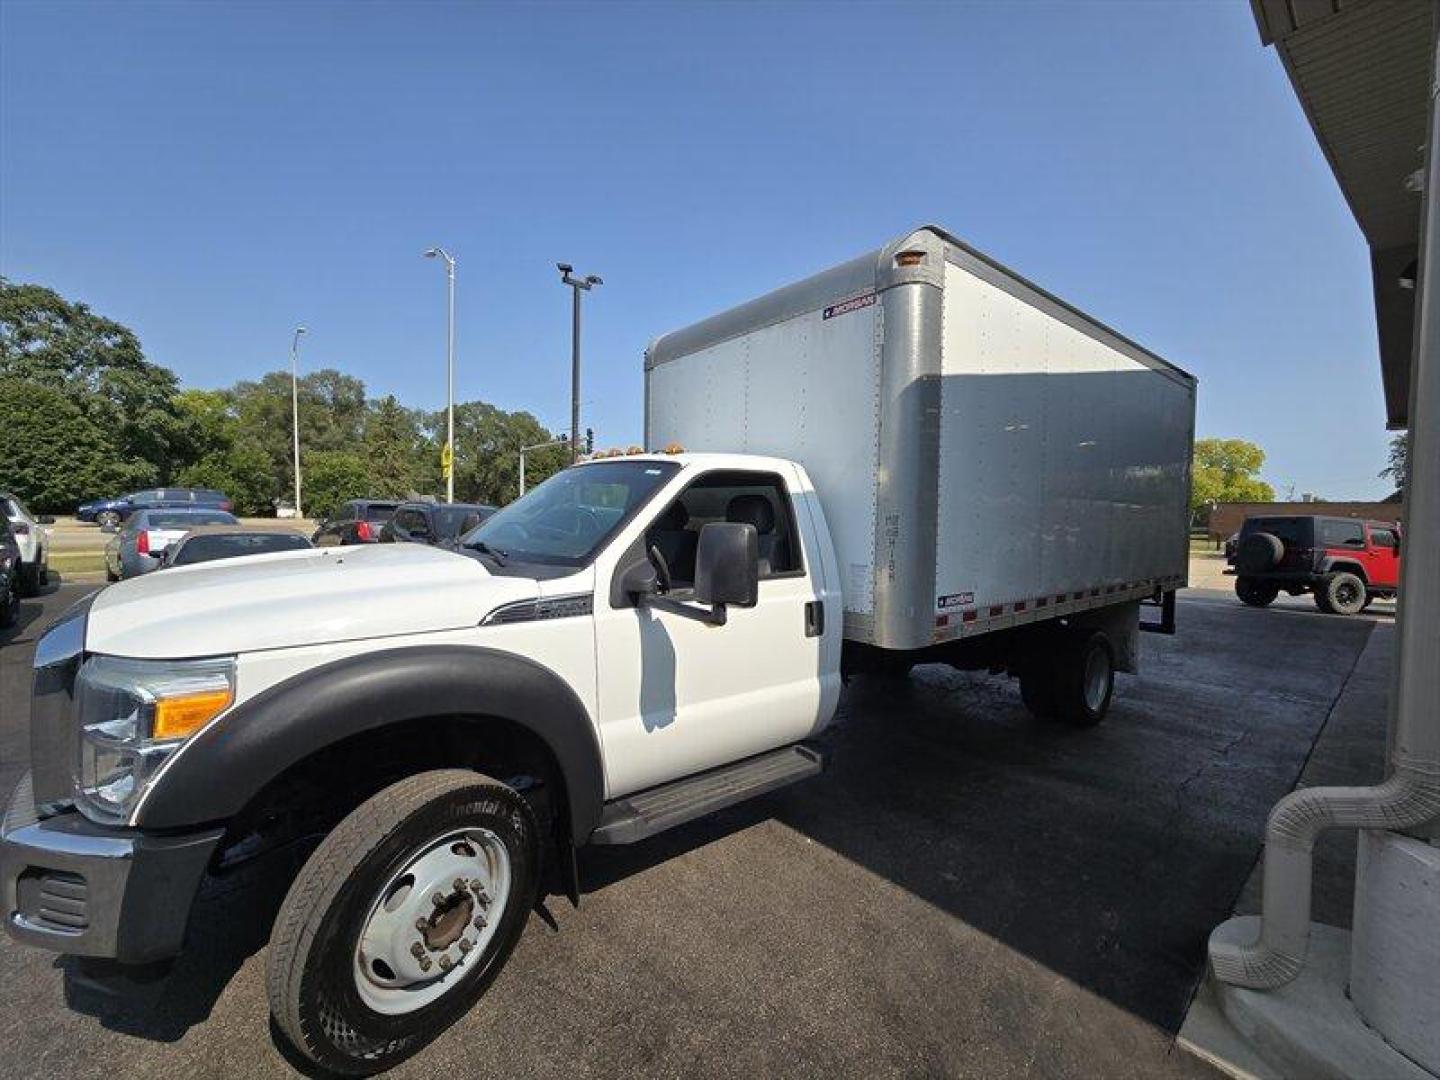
(132, 715)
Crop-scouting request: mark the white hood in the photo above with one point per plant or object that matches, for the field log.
(295, 598)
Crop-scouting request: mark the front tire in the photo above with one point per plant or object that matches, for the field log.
(402, 918)
(1341, 594)
(9, 604)
(32, 579)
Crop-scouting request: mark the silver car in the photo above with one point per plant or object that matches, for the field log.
(139, 546)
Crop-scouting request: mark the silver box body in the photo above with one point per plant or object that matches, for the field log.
(986, 455)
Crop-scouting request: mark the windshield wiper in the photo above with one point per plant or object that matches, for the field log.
(500, 557)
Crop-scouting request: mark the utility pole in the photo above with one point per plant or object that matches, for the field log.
(577, 285)
(449, 454)
(295, 412)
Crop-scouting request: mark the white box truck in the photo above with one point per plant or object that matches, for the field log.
(988, 456)
(968, 470)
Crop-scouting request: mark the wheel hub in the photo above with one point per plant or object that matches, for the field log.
(450, 921)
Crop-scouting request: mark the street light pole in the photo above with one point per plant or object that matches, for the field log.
(295, 412)
(449, 369)
(577, 285)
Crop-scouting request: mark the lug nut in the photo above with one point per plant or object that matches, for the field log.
(417, 950)
(482, 895)
(424, 963)
(479, 922)
(438, 900)
(422, 924)
(459, 884)
(446, 963)
(465, 945)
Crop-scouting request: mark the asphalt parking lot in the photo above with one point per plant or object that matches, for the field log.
(965, 892)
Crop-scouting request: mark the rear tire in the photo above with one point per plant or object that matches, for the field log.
(32, 579)
(1084, 679)
(340, 978)
(1256, 593)
(1342, 593)
(9, 604)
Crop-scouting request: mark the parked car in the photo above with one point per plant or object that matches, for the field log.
(9, 575)
(209, 543)
(33, 540)
(1345, 563)
(356, 522)
(437, 524)
(111, 512)
(137, 548)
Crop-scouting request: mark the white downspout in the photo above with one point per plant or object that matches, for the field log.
(1410, 796)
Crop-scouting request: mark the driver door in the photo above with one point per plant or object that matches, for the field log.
(677, 696)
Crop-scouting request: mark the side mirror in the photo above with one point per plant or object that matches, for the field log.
(727, 564)
(639, 580)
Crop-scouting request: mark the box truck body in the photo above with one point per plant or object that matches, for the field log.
(986, 455)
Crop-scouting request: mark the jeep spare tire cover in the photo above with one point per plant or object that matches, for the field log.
(1259, 552)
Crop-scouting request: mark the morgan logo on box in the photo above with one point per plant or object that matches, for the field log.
(847, 306)
(954, 600)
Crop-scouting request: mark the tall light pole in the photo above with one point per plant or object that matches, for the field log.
(295, 412)
(449, 371)
(577, 286)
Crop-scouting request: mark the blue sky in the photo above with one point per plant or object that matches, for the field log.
(212, 174)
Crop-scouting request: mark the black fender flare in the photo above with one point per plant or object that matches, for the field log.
(1344, 566)
(217, 772)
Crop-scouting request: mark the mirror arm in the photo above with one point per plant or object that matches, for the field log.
(711, 616)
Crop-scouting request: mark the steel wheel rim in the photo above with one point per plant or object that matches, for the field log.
(1346, 593)
(1097, 669)
(432, 921)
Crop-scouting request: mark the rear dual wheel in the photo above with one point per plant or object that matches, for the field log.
(1074, 683)
(402, 918)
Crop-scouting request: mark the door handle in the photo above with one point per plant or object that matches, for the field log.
(814, 618)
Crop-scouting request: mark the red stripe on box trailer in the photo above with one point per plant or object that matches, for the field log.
(998, 609)
(1019, 605)
(967, 616)
(942, 620)
(1042, 602)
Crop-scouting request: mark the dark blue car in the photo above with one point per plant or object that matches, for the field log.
(114, 511)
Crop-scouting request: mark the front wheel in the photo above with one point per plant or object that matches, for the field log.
(402, 918)
(107, 519)
(1340, 594)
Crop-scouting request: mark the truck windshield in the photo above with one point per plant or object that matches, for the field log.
(569, 517)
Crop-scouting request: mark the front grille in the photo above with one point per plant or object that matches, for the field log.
(53, 899)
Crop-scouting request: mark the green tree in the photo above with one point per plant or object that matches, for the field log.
(331, 477)
(98, 363)
(55, 455)
(1397, 468)
(332, 417)
(488, 442)
(397, 450)
(242, 471)
(1224, 470)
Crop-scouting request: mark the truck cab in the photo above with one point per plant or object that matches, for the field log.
(639, 640)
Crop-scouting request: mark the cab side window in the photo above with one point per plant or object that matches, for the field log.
(757, 499)
(1335, 533)
(1384, 538)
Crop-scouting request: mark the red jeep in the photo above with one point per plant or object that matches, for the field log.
(1344, 562)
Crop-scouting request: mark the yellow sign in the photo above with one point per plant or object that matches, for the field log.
(447, 459)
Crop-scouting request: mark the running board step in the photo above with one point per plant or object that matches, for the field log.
(642, 815)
